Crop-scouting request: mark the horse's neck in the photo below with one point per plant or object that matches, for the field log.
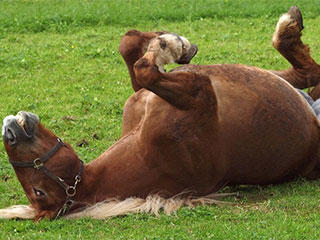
(118, 172)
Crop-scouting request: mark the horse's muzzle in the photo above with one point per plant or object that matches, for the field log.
(19, 128)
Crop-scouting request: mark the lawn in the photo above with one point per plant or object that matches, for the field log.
(60, 60)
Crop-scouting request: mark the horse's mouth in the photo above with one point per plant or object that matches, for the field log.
(21, 121)
(19, 128)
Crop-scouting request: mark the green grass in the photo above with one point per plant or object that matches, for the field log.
(57, 15)
(60, 59)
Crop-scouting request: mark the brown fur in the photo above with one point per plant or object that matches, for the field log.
(132, 47)
(197, 128)
(304, 73)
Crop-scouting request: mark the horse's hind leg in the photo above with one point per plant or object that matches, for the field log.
(133, 45)
(305, 72)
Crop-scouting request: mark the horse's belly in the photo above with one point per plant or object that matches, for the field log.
(264, 133)
(180, 146)
(267, 130)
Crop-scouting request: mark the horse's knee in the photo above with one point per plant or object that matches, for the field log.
(146, 71)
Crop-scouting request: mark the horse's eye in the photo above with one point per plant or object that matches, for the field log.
(38, 192)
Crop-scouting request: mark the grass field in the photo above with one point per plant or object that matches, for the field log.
(60, 60)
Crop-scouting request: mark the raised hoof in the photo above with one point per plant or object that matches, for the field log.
(295, 13)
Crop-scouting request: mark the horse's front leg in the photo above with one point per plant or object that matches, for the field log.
(133, 46)
(184, 90)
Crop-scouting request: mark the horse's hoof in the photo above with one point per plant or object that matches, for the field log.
(295, 13)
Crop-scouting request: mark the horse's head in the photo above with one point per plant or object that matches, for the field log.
(44, 165)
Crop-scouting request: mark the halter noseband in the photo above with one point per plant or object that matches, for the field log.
(38, 164)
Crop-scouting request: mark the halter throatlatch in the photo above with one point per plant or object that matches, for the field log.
(38, 164)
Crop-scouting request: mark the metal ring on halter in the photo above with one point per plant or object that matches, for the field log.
(71, 191)
(37, 163)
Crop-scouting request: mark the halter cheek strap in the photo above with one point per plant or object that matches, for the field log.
(38, 164)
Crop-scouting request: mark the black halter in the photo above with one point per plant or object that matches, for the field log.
(38, 164)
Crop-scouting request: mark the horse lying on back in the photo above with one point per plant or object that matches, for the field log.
(186, 134)
(304, 73)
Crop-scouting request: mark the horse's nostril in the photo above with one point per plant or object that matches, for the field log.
(9, 134)
(10, 137)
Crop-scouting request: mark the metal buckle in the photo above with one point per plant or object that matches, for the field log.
(37, 164)
(71, 191)
(61, 142)
(65, 208)
(69, 202)
(78, 178)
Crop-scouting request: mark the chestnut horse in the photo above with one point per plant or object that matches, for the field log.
(304, 73)
(192, 131)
